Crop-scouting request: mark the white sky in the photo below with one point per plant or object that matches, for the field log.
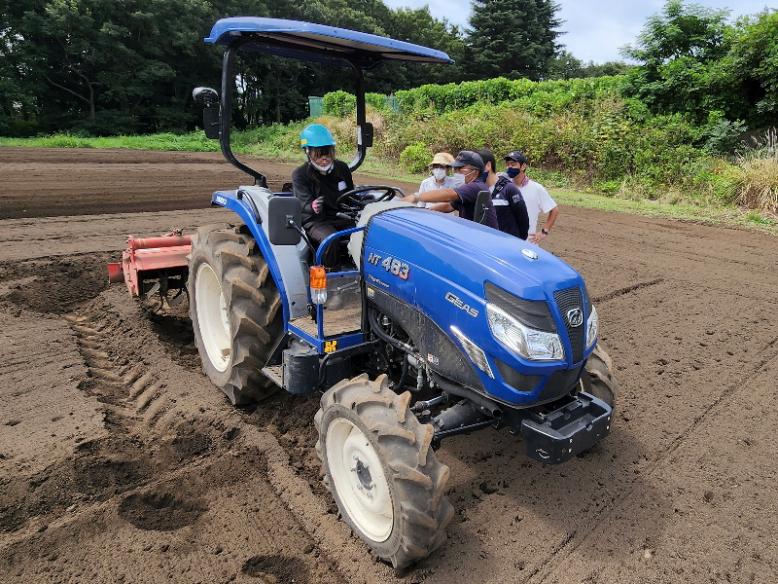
(593, 30)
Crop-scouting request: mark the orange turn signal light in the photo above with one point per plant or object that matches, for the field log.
(318, 277)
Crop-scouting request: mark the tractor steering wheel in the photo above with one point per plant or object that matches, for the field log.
(352, 202)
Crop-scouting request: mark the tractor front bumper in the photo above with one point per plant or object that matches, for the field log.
(557, 432)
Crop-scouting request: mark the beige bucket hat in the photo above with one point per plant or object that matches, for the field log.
(442, 158)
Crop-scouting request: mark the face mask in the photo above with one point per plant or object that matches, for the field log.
(458, 179)
(465, 175)
(439, 173)
(513, 172)
(322, 169)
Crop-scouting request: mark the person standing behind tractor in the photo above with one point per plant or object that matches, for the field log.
(535, 195)
(462, 198)
(507, 200)
(439, 174)
(317, 184)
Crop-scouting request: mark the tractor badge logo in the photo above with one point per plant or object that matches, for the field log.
(575, 317)
(457, 301)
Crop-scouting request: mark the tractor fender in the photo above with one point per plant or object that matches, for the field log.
(286, 263)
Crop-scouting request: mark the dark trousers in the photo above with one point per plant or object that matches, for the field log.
(318, 231)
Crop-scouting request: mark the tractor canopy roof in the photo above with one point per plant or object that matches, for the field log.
(305, 40)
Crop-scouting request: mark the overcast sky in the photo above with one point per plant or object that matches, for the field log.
(594, 30)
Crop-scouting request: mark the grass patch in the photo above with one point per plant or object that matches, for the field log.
(710, 215)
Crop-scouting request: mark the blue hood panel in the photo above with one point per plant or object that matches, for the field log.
(449, 261)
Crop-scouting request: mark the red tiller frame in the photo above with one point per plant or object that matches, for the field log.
(149, 254)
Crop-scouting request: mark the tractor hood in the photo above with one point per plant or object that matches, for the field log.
(440, 276)
(469, 254)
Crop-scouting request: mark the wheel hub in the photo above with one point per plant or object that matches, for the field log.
(363, 474)
(358, 479)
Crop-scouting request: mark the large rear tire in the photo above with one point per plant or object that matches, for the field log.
(381, 470)
(235, 310)
(597, 378)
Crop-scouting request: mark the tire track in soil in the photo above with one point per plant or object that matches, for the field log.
(627, 290)
(159, 430)
(573, 541)
(147, 398)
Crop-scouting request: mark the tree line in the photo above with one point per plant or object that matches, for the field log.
(107, 66)
(124, 67)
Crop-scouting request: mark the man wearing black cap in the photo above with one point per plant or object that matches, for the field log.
(535, 195)
(506, 198)
(463, 198)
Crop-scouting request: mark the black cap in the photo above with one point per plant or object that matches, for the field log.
(517, 156)
(468, 158)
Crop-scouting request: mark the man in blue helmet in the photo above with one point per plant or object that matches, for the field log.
(318, 183)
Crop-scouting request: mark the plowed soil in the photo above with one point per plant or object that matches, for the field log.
(119, 462)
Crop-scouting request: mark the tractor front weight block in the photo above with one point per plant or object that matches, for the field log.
(557, 432)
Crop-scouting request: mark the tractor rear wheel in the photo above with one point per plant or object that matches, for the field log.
(235, 310)
(597, 378)
(379, 465)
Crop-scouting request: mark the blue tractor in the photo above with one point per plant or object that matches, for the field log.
(439, 326)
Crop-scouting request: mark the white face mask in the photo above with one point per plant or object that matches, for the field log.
(458, 179)
(439, 173)
(322, 169)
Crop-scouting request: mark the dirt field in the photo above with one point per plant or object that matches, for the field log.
(119, 462)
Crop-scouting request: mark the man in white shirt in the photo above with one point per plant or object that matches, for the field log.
(440, 176)
(535, 196)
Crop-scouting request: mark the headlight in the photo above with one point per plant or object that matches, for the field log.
(527, 342)
(592, 328)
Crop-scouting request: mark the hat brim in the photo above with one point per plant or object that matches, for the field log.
(458, 164)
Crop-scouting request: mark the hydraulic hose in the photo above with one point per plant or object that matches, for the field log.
(381, 334)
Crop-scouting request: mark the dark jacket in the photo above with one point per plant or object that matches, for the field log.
(511, 209)
(309, 184)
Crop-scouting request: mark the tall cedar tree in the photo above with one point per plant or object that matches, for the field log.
(512, 38)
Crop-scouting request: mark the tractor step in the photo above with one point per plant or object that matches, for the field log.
(275, 374)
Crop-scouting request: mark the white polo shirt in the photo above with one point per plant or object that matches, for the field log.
(538, 201)
(429, 184)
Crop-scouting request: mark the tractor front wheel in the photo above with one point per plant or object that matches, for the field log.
(235, 310)
(597, 378)
(379, 466)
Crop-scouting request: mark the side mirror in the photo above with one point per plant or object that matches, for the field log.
(209, 99)
(365, 134)
(482, 204)
(284, 220)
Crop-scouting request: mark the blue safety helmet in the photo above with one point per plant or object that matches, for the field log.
(316, 136)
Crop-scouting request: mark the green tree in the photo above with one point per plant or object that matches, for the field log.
(512, 38)
(102, 66)
(753, 62)
(680, 52)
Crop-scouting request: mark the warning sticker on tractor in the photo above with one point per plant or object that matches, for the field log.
(330, 346)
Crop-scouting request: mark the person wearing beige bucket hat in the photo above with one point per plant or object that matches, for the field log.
(440, 174)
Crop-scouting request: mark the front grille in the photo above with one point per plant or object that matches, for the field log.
(569, 299)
